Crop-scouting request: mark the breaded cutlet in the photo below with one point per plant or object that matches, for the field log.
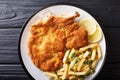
(49, 38)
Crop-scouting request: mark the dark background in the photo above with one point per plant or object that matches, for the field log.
(13, 14)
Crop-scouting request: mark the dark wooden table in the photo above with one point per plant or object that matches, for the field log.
(13, 13)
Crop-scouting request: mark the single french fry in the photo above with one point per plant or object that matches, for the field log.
(60, 73)
(87, 70)
(71, 53)
(77, 73)
(99, 52)
(93, 54)
(84, 67)
(75, 67)
(94, 63)
(72, 73)
(80, 64)
(66, 56)
(72, 77)
(65, 74)
(51, 75)
(86, 54)
(89, 46)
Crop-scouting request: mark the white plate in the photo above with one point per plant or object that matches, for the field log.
(33, 71)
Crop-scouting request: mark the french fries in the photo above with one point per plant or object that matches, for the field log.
(93, 54)
(99, 52)
(65, 74)
(66, 56)
(89, 46)
(77, 64)
(86, 54)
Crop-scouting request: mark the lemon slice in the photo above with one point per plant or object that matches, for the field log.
(88, 24)
(96, 37)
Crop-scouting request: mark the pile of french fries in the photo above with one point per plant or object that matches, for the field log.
(78, 63)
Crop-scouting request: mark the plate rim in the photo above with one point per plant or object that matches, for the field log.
(44, 7)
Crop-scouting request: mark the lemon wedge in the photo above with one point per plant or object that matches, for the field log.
(96, 37)
(88, 24)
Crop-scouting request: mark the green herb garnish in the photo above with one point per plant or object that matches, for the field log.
(88, 62)
(80, 52)
(78, 59)
(68, 62)
(81, 76)
(55, 72)
(92, 70)
(73, 55)
(90, 53)
(89, 49)
(88, 74)
(71, 69)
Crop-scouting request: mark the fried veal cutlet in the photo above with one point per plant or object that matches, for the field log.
(77, 38)
(49, 38)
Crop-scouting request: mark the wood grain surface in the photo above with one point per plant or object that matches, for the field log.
(14, 13)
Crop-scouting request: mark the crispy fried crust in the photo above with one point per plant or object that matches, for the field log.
(50, 37)
(77, 39)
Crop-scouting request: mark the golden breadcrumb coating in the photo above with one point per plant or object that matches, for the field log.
(49, 38)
